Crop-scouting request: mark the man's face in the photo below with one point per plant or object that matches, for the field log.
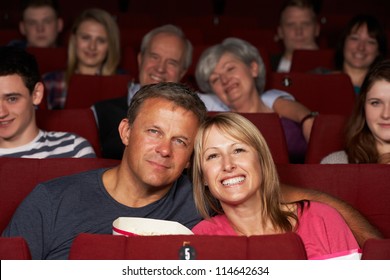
(41, 26)
(298, 29)
(158, 144)
(162, 61)
(17, 112)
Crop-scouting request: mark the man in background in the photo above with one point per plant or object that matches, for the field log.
(40, 24)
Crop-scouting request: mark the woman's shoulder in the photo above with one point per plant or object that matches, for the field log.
(319, 209)
(339, 157)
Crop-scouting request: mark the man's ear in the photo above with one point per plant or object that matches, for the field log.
(139, 59)
(124, 130)
(182, 73)
(37, 94)
(60, 25)
(279, 33)
(22, 29)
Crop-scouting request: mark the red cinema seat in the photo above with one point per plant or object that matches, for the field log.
(288, 246)
(376, 249)
(86, 90)
(271, 128)
(14, 187)
(129, 61)
(170, 247)
(50, 59)
(324, 93)
(9, 34)
(364, 186)
(309, 60)
(14, 248)
(79, 121)
(327, 136)
(264, 37)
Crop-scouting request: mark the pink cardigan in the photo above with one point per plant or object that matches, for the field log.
(321, 228)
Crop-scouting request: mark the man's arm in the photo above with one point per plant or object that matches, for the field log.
(360, 226)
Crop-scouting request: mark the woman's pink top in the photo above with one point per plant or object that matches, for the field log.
(321, 228)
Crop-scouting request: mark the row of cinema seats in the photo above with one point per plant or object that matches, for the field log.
(325, 93)
(363, 186)
(86, 246)
(329, 127)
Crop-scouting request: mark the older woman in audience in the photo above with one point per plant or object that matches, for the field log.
(235, 72)
(368, 130)
(94, 49)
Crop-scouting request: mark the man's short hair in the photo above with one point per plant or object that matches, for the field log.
(180, 94)
(14, 60)
(40, 3)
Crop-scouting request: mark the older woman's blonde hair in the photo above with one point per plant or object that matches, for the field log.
(240, 128)
(112, 60)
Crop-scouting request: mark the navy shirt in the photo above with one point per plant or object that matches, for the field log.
(55, 212)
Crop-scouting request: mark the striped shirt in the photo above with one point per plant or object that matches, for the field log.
(52, 145)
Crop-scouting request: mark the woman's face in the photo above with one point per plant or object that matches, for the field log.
(377, 108)
(360, 49)
(231, 168)
(91, 44)
(233, 81)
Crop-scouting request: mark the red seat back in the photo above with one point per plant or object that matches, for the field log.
(364, 186)
(79, 121)
(308, 60)
(376, 249)
(50, 59)
(327, 136)
(86, 90)
(327, 94)
(271, 128)
(170, 247)
(14, 187)
(14, 248)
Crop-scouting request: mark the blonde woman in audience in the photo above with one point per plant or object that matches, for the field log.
(368, 130)
(234, 175)
(235, 72)
(94, 49)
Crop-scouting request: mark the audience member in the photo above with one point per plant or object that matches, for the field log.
(40, 24)
(158, 135)
(235, 176)
(362, 44)
(368, 130)
(298, 29)
(235, 72)
(94, 49)
(20, 92)
(165, 55)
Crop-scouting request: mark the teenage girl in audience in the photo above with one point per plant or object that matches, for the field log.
(368, 130)
(235, 72)
(94, 49)
(362, 44)
(234, 175)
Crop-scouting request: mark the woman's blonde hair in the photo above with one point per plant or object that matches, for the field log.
(111, 62)
(240, 128)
